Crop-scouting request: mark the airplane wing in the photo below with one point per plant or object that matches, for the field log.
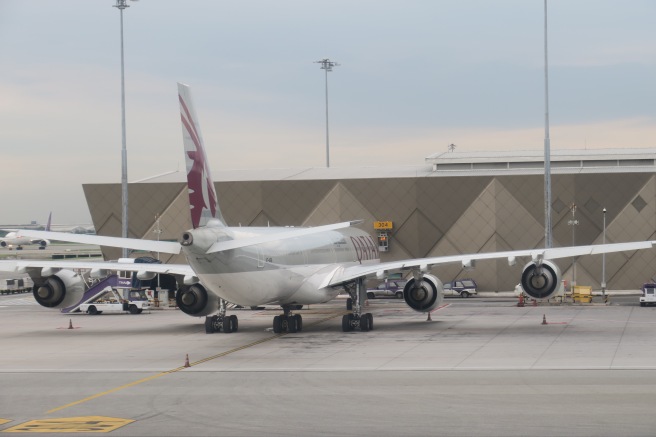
(347, 274)
(130, 243)
(172, 269)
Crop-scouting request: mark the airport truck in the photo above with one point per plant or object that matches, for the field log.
(648, 295)
(111, 301)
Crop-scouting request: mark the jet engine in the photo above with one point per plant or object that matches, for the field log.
(540, 280)
(43, 244)
(59, 290)
(196, 301)
(424, 296)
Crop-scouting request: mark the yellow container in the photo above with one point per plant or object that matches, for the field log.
(582, 293)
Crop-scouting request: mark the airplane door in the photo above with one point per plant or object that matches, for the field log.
(260, 259)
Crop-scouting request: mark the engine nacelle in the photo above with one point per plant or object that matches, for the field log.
(3, 244)
(60, 290)
(425, 296)
(540, 281)
(196, 301)
(43, 244)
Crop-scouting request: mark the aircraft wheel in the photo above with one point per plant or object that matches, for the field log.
(277, 324)
(227, 325)
(92, 310)
(364, 323)
(291, 325)
(235, 323)
(299, 322)
(370, 318)
(209, 325)
(346, 323)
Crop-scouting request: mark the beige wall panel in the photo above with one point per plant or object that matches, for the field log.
(240, 202)
(417, 235)
(289, 202)
(444, 199)
(514, 223)
(477, 224)
(386, 199)
(529, 192)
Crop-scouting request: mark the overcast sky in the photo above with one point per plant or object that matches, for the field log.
(415, 76)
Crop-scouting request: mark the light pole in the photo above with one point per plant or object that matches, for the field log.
(327, 65)
(603, 259)
(548, 238)
(573, 223)
(157, 231)
(122, 4)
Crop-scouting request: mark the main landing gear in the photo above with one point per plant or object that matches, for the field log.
(357, 320)
(221, 322)
(287, 321)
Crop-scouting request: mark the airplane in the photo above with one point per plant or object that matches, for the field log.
(289, 267)
(17, 238)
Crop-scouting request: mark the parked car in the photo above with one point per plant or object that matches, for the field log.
(460, 287)
(389, 288)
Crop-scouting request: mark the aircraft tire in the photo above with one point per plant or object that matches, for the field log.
(277, 324)
(299, 322)
(292, 328)
(235, 323)
(346, 323)
(370, 318)
(364, 323)
(209, 325)
(227, 325)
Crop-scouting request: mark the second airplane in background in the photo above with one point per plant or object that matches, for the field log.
(18, 238)
(253, 266)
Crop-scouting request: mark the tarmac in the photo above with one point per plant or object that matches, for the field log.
(480, 367)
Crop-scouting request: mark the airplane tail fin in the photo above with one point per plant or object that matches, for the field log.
(203, 203)
(49, 221)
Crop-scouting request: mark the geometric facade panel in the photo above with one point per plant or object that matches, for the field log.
(432, 216)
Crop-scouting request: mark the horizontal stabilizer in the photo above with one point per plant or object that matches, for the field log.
(220, 246)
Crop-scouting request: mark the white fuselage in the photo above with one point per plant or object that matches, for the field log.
(288, 271)
(15, 239)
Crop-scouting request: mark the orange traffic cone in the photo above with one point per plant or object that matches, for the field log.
(544, 319)
(70, 324)
(186, 364)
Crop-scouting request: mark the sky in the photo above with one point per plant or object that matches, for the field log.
(414, 77)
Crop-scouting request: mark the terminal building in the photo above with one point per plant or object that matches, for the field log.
(456, 202)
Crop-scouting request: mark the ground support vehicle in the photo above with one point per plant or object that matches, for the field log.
(111, 300)
(14, 286)
(460, 287)
(648, 295)
(389, 288)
